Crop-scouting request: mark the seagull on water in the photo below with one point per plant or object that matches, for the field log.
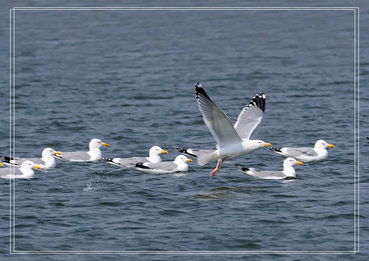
(93, 154)
(25, 171)
(179, 164)
(46, 161)
(154, 157)
(287, 172)
(319, 152)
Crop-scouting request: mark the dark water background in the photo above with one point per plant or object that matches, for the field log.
(127, 77)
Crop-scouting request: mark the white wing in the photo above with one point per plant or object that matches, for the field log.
(250, 116)
(217, 122)
(298, 152)
(75, 156)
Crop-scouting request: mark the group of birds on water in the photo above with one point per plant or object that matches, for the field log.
(232, 141)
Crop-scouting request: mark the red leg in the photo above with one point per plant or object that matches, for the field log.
(219, 164)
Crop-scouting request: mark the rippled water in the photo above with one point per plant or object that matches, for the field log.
(127, 77)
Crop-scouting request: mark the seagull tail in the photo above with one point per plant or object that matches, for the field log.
(6, 159)
(205, 157)
(187, 151)
(110, 161)
(277, 150)
(140, 165)
(242, 168)
(249, 171)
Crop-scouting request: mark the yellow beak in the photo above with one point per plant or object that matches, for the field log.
(188, 160)
(267, 144)
(57, 153)
(1, 164)
(330, 146)
(299, 162)
(105, 144)
(164, 152)
(37, 167)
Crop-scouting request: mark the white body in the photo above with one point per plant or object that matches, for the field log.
(48, 158)
(287, 172)
(231, 151)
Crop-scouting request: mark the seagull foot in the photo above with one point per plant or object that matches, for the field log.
(215, 171)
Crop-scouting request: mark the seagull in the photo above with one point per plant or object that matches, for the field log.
(46, 161)
(179, 164)
(154, 157)
(24, 172)
(94, 153)
(232, 141)
(287, 172)
(319, 152)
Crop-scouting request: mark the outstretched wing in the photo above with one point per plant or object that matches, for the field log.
(250, 116)
(217, 122)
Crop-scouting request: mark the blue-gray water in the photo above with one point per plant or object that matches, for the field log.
(127, 77)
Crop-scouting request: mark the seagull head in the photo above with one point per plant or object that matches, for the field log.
(27, 165)
(289, 162)
(322, 144)
(182, 159)
(156, 150)
(48, 152)
(97, 143)
(256, 144)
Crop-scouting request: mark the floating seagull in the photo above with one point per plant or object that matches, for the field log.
(319, 152)
(287, 172)
(154, 157)
(232, 141)
(47, 161)
(94, 153)
(179, 164)
(24, 172)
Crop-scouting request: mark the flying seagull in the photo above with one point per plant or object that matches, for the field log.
(232, 141)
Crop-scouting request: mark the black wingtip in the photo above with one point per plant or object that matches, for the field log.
(276, 149)
(141, 165)
(242, 168)
(182, 150)
(6, 159)
(201, 91)
(258, 101)
(185, 151)
(107, 159)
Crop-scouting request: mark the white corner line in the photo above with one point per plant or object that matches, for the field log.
(219, 252)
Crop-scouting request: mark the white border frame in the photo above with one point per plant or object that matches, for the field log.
(356, 182)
